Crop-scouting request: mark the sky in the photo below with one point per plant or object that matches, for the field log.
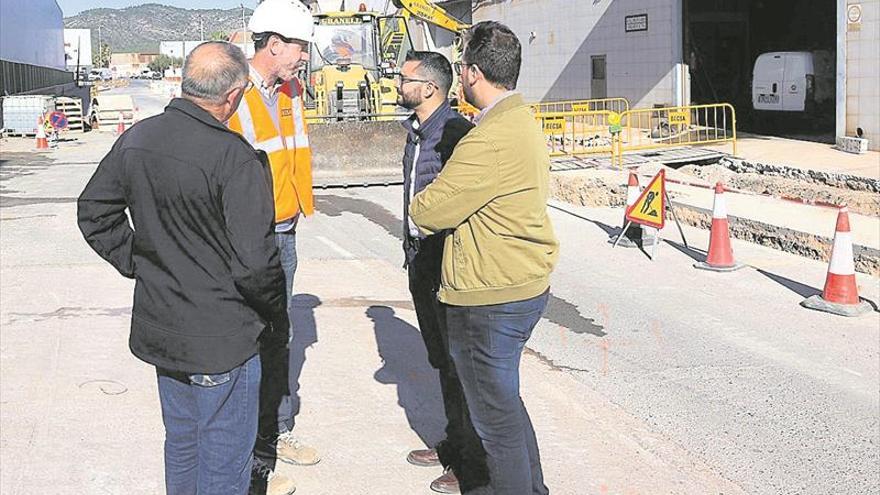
(73, 7)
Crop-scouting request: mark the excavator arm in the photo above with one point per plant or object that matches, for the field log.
(431, 13)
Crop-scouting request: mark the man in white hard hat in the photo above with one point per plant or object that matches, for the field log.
(270, 117)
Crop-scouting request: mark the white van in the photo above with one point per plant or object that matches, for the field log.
(793, 81)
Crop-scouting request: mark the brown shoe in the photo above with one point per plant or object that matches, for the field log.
(424, 458)
(447, 483)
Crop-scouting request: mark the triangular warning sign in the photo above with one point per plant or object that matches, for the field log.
(650, 207)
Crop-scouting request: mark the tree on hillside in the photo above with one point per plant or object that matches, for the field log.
(219, 36)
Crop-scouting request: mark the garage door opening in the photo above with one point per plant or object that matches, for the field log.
(793, 43)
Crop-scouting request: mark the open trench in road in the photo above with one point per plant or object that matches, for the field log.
(860, 194)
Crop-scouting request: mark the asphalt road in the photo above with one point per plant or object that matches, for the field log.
(776, 398)
(726, 370)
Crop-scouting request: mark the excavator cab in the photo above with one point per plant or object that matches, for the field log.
(353, 57)
(351, 97)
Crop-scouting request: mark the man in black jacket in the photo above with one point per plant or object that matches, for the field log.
(208, 280)
(433, 131)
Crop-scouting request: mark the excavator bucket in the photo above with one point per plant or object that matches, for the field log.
(357, 153)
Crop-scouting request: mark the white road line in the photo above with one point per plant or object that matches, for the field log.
(851, 371)
(336, 247)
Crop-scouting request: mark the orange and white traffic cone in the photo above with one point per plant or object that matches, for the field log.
(633, 237)
(42, 142)
(840, 295)
(720, 255)
(120, 125)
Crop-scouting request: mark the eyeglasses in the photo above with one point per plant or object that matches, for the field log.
(457, 66)
(247, 86)
(403, 80)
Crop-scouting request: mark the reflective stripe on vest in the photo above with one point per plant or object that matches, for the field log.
(288, 150)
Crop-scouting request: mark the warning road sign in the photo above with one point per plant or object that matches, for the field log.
(650, 208)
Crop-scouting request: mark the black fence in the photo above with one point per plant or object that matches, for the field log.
(17, 78)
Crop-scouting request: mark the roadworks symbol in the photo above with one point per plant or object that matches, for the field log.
(650, 207)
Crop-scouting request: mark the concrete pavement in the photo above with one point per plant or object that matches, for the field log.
(803, 154)
(644, 377)
(79, 411)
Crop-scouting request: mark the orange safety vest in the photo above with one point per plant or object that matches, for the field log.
(290, 157)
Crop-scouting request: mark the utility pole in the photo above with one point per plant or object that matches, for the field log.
(243, 30)
(100, 48)
(201, 29)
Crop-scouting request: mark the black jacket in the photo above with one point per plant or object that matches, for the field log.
(201, 250)
(436, 137)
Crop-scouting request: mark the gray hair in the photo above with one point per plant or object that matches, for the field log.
(212, 70)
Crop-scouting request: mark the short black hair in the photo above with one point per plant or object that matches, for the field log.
(494, 48)
(433, 66)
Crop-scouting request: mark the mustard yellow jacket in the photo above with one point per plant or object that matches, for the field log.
(493, 193)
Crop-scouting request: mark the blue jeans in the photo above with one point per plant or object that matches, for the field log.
(486, 343)
(210, 429)
(276, 403)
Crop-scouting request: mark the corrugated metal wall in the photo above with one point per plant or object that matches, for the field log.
(18, 78)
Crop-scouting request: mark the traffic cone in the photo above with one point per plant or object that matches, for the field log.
(42, 142)
(720, 256)
(633, 237)
(840, 295)
(120, 125)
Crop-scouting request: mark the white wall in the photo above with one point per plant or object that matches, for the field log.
(78, 47)
(32, 32)
(178, 48)
(863, 75)
(556, 63)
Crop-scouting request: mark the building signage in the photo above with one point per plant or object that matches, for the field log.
(854, 17)
(634, 23)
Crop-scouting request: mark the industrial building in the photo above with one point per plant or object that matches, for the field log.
(31, 46)
(674, 52)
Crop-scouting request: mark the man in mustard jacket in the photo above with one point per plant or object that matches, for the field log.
(497, 263)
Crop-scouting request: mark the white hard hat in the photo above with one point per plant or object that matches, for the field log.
(289, 18)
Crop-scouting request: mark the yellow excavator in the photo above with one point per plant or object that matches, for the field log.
(351, 95)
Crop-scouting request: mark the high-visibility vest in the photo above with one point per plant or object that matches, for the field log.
(290, 157)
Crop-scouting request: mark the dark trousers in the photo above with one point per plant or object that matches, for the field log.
(276, 403)
(210, 429)
(461, 450)
(486, 343)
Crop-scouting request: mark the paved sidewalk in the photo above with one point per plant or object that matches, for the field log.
(803, 154)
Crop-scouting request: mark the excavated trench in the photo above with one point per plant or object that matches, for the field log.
(861, 194)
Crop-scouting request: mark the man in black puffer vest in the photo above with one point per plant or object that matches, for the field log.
(433, 131)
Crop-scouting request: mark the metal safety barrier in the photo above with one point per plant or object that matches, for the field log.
(616, 104)
(653, 128)
(578, 127)
(576, 133)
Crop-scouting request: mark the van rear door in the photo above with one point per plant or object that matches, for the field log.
(797, 66)
(767, 81)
